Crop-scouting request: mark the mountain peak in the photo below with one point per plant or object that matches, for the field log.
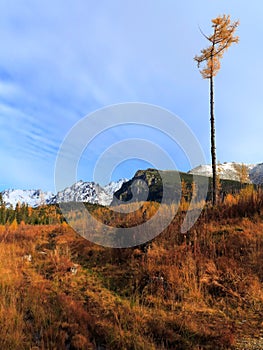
(78, 192)
(250, 173)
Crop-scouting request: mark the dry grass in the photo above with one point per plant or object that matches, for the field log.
(199, 291)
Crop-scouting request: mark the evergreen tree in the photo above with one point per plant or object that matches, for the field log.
(18, 215)
(2, 210)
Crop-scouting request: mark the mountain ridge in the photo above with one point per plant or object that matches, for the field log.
(80, 191)
(91, 192)
(247, 173)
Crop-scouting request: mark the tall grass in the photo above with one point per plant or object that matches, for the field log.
(200, 290)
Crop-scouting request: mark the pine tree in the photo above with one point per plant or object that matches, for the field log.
(18, 215)
(220, 40)
(2, 210)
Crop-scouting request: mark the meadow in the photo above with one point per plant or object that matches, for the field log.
(199, 290)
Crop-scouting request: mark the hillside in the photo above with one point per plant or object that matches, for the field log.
(201, 291)
(153, 179)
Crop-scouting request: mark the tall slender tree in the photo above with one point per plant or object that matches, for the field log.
(220, 40)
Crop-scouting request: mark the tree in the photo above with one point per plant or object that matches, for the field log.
(2, 210)
(221, 39)
(242, 173)
(218, 180)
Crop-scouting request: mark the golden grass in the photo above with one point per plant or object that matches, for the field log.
(199, 291)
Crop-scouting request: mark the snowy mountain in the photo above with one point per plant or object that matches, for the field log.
(256, 174)
(249, 173)
(88, 192)
(79, 192)
(94, 193)
(33, 198)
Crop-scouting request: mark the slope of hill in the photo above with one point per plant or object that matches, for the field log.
(135, 189)
(201, 290)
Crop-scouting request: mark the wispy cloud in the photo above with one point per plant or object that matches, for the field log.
(62, 60)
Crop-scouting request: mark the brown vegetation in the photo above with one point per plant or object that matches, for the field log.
(202, 290)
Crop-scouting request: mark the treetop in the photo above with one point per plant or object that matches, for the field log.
(221, 39)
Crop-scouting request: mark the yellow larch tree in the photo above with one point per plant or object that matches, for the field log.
(220, 40)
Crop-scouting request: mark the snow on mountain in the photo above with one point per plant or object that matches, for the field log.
(231, 171)
(88, 192)
(256, 174)
(113, 186)
(33, 198)
(94, 193)
(79, 192)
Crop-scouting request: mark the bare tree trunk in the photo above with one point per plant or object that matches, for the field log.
(213, 143)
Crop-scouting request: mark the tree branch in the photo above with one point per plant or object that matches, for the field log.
(203, 33)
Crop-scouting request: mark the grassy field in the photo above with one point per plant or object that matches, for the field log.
(201, 290)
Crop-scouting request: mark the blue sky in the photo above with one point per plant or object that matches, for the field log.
(61, 60)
